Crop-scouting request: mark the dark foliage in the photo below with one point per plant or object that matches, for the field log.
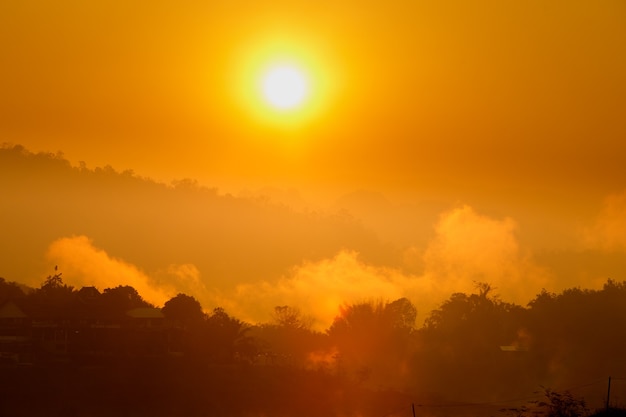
(473, 348)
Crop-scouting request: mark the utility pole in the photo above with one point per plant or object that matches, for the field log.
(608, 395)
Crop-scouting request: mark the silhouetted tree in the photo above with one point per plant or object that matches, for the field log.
(9, 291)
(188, 334)
(227, 337)
(53, 299)
(289, 338)
(117, 301)
(401, 315)
(373, 337)
(562, 404)
(575, 331)
(291, 317)
(460, 345)
(554, 404)
(184, 309)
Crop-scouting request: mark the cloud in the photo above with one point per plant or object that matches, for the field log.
(183, 278)
(609, 229)
(319, 288)
(467, 248)
(83, 264)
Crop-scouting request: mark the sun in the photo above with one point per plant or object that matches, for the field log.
(284, 87)
(284, 83)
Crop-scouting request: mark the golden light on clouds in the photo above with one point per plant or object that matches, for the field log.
(468, 247)
(609, 229)
(83, 264)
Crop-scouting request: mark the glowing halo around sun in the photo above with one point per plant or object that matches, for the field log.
(282, 83)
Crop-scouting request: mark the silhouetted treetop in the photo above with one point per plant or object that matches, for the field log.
(118, 300)
(462, 310)
(291, 317)
(9, 291)
(183, 308)
(228, 336)
(401, 314)
(54, 284)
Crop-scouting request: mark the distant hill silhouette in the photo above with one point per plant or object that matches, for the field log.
(151, 224)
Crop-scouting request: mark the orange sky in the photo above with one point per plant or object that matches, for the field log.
(515, 108)
(429, 96)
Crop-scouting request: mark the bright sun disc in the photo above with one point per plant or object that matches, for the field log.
(284, 87)
(283, 84)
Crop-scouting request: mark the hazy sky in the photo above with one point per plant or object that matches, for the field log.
(512, 112)
(442, 97)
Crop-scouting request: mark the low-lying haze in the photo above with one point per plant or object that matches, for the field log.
(249, 254)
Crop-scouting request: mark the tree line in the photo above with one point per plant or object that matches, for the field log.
(473, 347)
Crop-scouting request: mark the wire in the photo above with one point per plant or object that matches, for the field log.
(510, 400)
(588, 384)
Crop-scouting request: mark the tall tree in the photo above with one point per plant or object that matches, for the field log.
(9, 291)
(118, 300)
(373, 337)
(291, 317)
(580, 331)
(460, 345)
(53, 299)
(228, 337)
(183, 308)
(289, 339)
